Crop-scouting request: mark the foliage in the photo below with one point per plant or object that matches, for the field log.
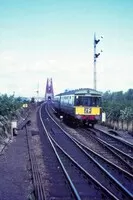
(127, 114)
(10, 108)
(9, 105)
(118, 105)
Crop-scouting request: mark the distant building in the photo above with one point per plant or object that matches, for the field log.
(49, 93)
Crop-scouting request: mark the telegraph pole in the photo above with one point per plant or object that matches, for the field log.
(96, 55)
(37, 91)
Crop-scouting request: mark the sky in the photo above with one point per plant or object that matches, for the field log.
(54, 38)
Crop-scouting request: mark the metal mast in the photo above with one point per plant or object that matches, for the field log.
(94, 61)
(96, 55)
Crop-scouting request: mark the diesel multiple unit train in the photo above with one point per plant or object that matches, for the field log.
(82, 106)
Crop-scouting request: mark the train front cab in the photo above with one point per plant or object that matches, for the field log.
(88, 109)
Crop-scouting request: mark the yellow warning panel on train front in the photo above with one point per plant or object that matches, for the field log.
(80, 110)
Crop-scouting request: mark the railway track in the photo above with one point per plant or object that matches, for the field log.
(122, 176)
(89, 163)
(56, 184)
(91, 141)
(39, 190)
(104, 150)
(87, 186)
(83, 185)
(121, 147)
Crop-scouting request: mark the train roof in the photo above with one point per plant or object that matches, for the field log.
(81, 91)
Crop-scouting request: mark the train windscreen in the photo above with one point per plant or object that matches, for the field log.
(87, 101)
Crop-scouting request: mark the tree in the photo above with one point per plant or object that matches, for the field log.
(118, 105)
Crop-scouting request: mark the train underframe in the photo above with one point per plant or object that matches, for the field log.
(77, 121)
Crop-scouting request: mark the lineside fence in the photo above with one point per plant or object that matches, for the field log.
(119, 125)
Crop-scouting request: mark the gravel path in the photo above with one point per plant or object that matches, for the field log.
(15, 181)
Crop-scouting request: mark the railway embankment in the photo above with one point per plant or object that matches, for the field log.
(15, 178)
(15, 164)
(6, 131)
